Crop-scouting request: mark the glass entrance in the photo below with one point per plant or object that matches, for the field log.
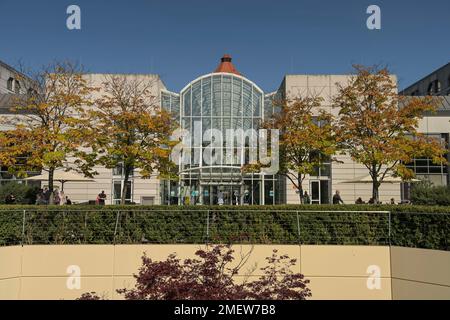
(320, 191)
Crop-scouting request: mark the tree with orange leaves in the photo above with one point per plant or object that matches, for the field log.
(41, 131)
(306, 138)
(377, 127)
(130, 130)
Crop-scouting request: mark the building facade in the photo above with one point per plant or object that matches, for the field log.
(436, 124)
(225, 100)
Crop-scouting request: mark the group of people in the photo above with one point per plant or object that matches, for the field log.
(372, 201)
(59, 198)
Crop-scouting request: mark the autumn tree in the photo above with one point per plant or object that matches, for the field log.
(40, 131)
(211, 275)
(130, 130)
(377, 127)
(306, 138)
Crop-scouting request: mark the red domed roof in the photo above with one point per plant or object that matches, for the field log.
(226, 65)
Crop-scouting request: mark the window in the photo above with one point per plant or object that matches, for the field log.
(17, 87)
(434, 87)
(437, 86)
(430, 88)
(117, 191)
(119, 170)
(9, 84)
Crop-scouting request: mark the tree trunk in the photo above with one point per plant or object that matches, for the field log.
(375, 185)
(51, 173)
(127, 170)
(300, 190)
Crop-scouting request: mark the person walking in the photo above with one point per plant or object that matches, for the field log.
(62, 198)
(337, 198)
(47, 194)
(10, 199)
(101, 198)
(56, 198)
(306, 198)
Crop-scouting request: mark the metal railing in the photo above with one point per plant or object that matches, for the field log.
(105, 226)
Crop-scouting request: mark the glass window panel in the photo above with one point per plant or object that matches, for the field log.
(175, 106)
(206, 100)
(256, 103)
(165, 101)
(117, 189)
(216, 123)
(435, 169)
(421, 162)
(217, 96)
(226, 124)
(196, 98)
(247, 99)
(237, 123)
(187, 103)
(206, 124)
(226, 96)
(422, 169)
(237, 95)
(247, 123)
(256, 123)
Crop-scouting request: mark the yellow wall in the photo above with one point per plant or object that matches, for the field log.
(335, 272)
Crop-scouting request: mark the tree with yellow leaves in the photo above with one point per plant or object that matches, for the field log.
(377, 127)
(130, 130)
(306, 138)
(41, 131)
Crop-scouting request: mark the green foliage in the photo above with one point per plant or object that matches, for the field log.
(24, 194)
(424, 193)
(411, 226)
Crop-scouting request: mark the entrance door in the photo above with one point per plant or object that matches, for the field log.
(320, 191)
(117, 191)
(315, 192)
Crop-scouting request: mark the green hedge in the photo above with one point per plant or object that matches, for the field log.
(411, 226)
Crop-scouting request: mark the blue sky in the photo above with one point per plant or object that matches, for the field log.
(181, 40)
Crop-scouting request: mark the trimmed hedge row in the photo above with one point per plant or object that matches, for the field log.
(411, 226)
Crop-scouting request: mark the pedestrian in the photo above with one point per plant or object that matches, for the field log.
(62, 198)
(306, 198)
(220, 198)
(56, 198)
(101, 198)
(337, 198)
(10, 199)
(46, 195)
